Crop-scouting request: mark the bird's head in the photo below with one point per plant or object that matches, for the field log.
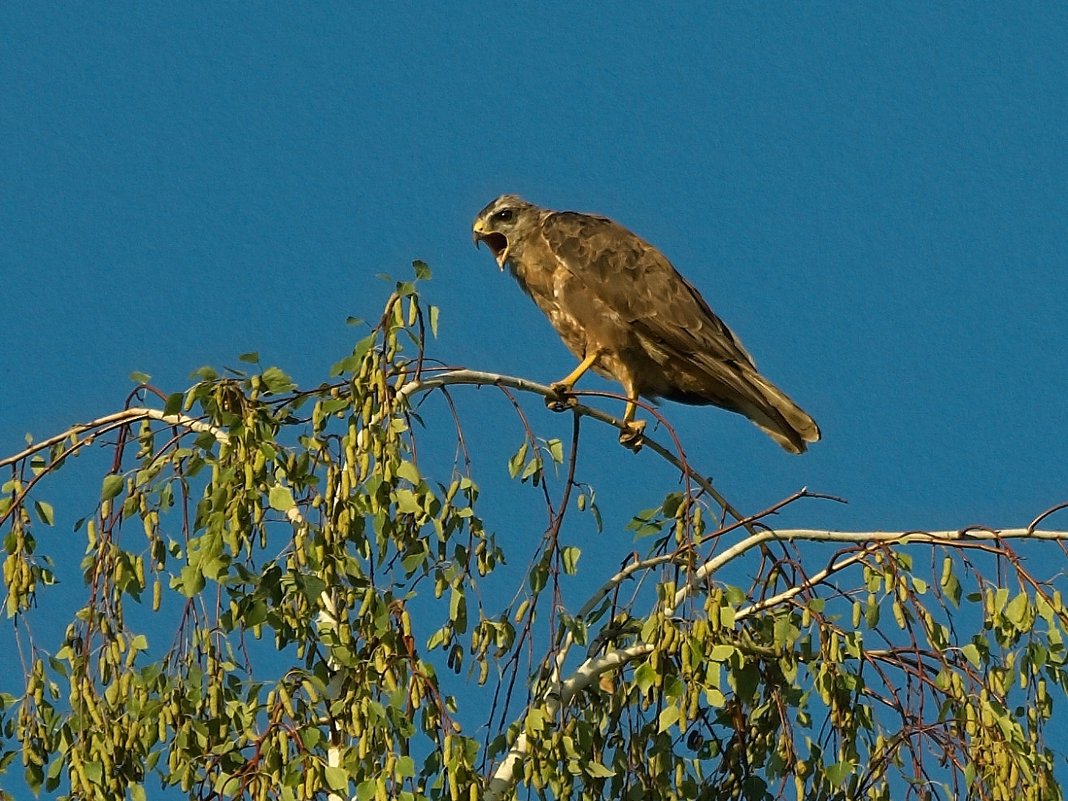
(502, 223)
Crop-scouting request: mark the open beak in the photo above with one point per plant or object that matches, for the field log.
(497, 243)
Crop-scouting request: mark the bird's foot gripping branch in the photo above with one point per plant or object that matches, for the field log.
(297, 593)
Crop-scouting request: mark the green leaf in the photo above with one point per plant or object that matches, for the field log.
(112, 486)
(436, 639)
(336, 778)
(252, 357)
(1016, 611)
(570, 557)
(45, 512)
(736, 596)
(422, 271)
(533, 467)
(94, 771)
(644, 676)
(256, 614)
(346, 365)
(191, 581)
(281, 498)
(140, 378)
(839, 772)
(310, 737)
(599, 771)
(668, 717)
(457, 607)
(409, 472)
(515, 464)
(971, 653)
(415, 560)
(556, 450)
(648, 529)
(535, 720)
(1001, 597)
(537, 577)
(174, 403)
(1044, 609)
(408, 502)
(33, 775)
(785, 632)
(721, 653)
(55, 770)
(277, 381)
(671, 504)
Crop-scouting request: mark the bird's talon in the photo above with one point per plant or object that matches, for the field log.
(563, 400)
(632, 437)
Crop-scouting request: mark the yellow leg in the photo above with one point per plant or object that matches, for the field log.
(564, 400)
(572, 378)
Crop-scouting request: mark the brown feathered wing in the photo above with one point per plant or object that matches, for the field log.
(699, 359)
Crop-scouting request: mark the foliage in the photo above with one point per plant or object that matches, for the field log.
(281, 601)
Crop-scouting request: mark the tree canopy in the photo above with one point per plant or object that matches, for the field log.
(292, 593)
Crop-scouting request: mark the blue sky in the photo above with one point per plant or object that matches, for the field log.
(872, 196)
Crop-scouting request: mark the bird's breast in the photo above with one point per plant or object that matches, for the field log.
(539, 274)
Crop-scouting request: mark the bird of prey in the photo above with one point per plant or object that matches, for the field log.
(623, 310)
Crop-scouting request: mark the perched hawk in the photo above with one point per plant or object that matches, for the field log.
(624, 311)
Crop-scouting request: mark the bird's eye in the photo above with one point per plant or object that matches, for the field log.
(504, 215)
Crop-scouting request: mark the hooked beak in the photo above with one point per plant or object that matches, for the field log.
(496, 242)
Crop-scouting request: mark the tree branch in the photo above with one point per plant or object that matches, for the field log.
(555, 696)
(480, 378)
(131, 415)
(971, 534)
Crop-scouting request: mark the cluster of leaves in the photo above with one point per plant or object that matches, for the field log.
(299, 519)
(799, 684)
(277, 592)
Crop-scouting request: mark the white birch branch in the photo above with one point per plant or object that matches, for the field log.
(974, 534)
(124, 417)
(557, 695)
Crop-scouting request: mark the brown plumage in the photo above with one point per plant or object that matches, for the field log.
(623, 310)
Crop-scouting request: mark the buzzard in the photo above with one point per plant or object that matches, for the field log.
(625, 312)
